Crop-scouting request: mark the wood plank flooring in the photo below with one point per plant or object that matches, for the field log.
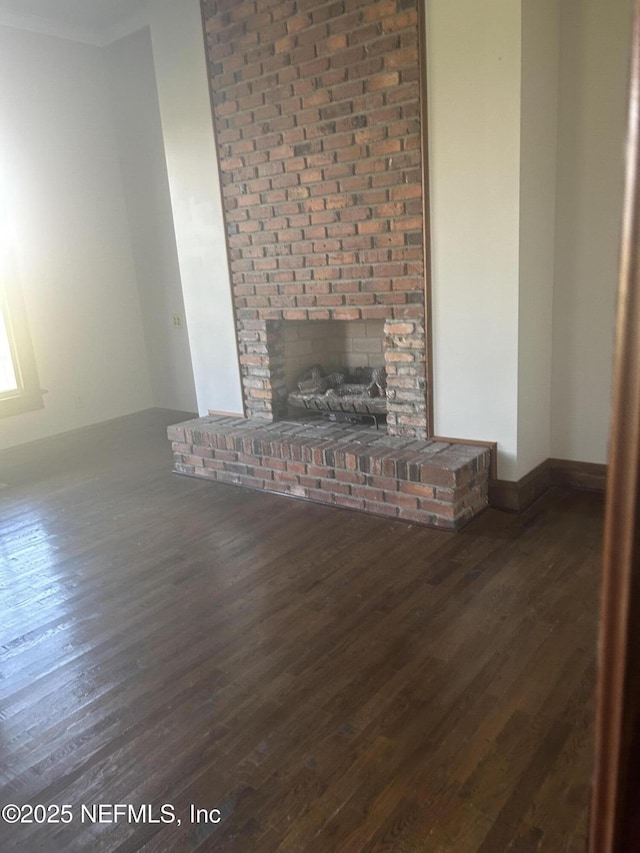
(327, 680)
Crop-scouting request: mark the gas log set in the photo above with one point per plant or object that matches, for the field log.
(356, 395)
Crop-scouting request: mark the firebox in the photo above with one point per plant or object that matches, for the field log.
(335, 370)
(377, 367)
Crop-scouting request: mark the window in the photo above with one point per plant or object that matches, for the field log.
(8, 372)
(19, 385)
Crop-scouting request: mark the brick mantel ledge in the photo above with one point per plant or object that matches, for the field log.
(429, 482)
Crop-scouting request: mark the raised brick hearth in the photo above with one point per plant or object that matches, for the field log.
(428, 482)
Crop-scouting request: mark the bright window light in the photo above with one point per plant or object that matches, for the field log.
(19, 385)
(8, 379)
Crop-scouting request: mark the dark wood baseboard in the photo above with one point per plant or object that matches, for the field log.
(515, 496)
(578, 475)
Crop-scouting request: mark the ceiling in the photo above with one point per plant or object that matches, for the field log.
(86, 20)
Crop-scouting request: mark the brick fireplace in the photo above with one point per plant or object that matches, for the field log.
(317, 114)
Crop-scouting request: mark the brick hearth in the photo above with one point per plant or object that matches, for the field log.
(429, 482)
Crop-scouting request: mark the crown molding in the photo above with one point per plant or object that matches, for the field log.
(125, 27)
(48, 27)
(98, 37)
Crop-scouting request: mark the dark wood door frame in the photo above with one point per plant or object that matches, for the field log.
(615, 809)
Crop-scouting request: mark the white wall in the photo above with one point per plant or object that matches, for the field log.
(491, 69)
(134, 100)
(524, 281)
(525, 277)
(473, 51)
(595, 49)
(538, 144)
(178, 52)
(60, 175)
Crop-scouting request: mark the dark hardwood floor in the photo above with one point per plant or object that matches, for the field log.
(328, 681)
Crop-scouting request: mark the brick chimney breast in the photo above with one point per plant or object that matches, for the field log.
(317, 115)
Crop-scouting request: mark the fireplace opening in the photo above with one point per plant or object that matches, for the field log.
(336, 370)
(276, 353)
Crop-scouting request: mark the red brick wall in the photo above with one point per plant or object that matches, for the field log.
(317, 114)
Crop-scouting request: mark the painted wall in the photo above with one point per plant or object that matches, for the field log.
(496, 70)
(492, 156)
(538, 144)
(537, 377)
(473, 51)
(136, 114)
(178, 52)
(61, 180)
(595, 49)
